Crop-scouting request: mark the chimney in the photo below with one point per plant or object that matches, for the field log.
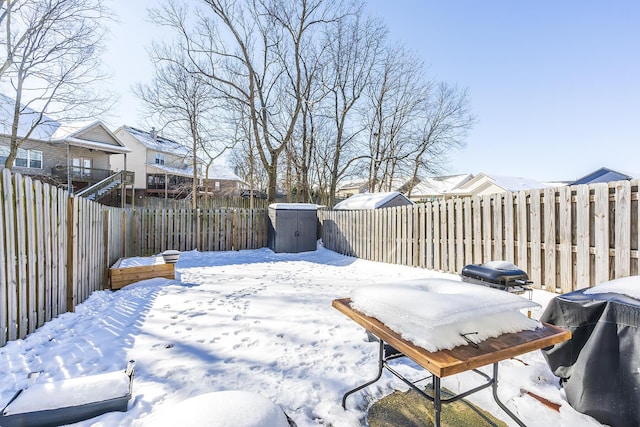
(153, 133)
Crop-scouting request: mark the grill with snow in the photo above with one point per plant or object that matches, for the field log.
(437, 314)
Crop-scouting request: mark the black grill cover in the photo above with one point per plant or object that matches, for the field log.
(600, 365)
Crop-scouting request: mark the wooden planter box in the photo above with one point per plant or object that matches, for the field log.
(123, 276)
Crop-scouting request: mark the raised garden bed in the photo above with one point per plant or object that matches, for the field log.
(124, 271)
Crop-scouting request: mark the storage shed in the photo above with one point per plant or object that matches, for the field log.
(374, 201)
(293, 227)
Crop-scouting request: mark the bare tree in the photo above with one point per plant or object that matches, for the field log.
(13, 38)
(252, 53)
(395, 97)
(355, 46)
(184, 104)
(444, 121)
(54, 61)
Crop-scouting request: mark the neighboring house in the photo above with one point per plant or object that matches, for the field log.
(483, 184)
(349, 188)
(605, 175)
(163, 167)
(373, 201)
(220, 181)
(438, 187)
(60, 154)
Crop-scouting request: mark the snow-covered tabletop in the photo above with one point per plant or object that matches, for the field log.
(438, 314)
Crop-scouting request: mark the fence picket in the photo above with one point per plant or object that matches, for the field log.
(509, 231)
(622, 221)
(11, 256)
(497, 227)
(601, 231)
(4, 269)
(549, 233)
(565, 263)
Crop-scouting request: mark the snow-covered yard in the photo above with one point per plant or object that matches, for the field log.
(252, 321)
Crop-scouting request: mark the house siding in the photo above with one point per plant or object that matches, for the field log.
(227, 187)
(98, 134)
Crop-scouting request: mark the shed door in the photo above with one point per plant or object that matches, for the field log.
(307, 231)
(286, 230)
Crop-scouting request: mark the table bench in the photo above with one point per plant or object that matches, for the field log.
(460, 359)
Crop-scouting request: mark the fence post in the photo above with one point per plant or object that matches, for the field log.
(106, 248)
(72, 253)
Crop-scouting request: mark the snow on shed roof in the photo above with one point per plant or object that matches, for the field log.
(369, 200)
(294, 206)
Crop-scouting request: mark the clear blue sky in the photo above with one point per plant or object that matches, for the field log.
(555, 84)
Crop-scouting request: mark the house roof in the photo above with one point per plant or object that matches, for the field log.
(369, 200)
(164, 169)
(44, 128)
(157, 143)
(482, 182)
(221, 172)
(516, 183)
(439, 184)
(605, 175)
(359, 184)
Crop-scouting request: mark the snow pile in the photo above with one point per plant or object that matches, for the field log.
(141, 261)
(629, 286)
(439, 314)
(500, 265)
(223, 409)
(72, 392)
(369, 201)
(261, 322)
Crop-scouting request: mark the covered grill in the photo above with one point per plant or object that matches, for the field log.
(501, 275)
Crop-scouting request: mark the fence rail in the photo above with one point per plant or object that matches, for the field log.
(55, 249)
(565, 238)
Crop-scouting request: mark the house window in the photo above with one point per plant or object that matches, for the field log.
(81, 167)
(216, 185)
(24, 158)
(35, 159)
(159, 159)
(4, 153)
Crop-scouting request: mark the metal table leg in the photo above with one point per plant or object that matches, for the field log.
(436, 387)
(497, 399)
(380, 366)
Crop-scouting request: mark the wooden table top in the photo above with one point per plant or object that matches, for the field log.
(462, 358)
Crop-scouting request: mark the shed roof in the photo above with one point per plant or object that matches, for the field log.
(370, 200)
(294, 206)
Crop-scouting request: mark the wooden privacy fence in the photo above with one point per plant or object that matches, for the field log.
(142, 232)
(56, 249)
(565, 238)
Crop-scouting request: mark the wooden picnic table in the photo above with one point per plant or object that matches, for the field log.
(460, 359)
